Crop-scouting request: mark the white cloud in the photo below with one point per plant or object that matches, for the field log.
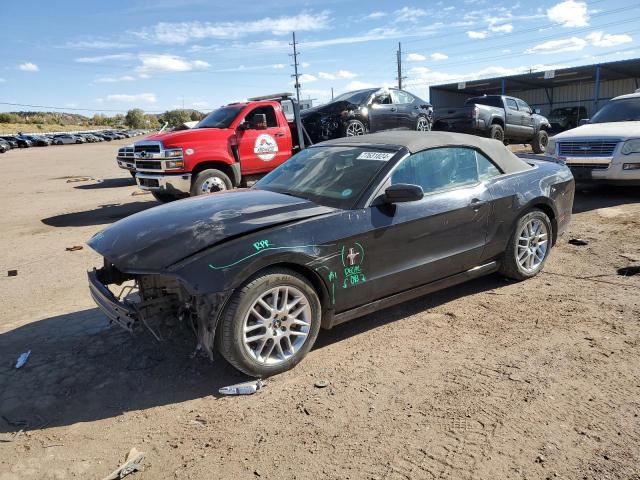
(504, 28)
(340, 74)
(183, 32)
(28, 67)
(123, 78)
(126, 98)
(601, 39)
(569, 13)
(476, 35)
(439, 56)
(96, 44)
(374, 15)
(307, 78)
(358, 85)
(416, 57)
(409, 14)
(200, 105)
(279, 65)
(168, 63)
(105, 58)
(305, 64)
(2, 80)
(572, 44)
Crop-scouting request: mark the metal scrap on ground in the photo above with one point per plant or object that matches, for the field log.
(131, 464)
(22, 359)
(246, 388)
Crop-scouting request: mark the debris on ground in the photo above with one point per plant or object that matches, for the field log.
(131, 464)
(322, 384)
(74, 248)
(79, 179)
(10, 437)
(246, 388)
(12, 273)
(578, 242)
(140, 192)
(22, 359)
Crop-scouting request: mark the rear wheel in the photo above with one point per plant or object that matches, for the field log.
(528, 247)
(210, 181)
(497, 132)
(270, 323)
(540, 141)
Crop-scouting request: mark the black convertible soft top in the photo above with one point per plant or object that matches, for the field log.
(417, 141)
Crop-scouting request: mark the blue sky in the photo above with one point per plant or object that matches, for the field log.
(164, 54)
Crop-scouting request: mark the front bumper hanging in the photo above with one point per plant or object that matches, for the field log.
(121, 313)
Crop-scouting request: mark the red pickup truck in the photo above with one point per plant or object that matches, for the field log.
(232, 146)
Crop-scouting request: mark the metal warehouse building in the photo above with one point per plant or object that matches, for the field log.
(589, 86)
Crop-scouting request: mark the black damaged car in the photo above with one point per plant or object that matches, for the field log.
(367, 111)
(342, 229)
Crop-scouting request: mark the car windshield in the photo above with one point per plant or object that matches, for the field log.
(623, 110)
(220, 118)
(334, 176)
(358, 97)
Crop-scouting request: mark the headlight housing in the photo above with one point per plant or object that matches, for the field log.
(631, 146)
(551, 146)
(175, 164)
(173, 153)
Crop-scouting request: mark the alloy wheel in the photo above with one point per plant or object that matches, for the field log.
(355, 129)
(277, 325)
(423, 125)
(533, 242)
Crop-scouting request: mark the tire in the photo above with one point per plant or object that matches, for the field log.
(261, 357)
(354, 128)
(423, 125)
(209, 181)
(540, 141)
(164, 197)
(512, 267)
(496, 132)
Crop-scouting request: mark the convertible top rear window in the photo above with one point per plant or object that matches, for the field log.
(334, 176)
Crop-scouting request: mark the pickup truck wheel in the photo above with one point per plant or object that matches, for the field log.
(423, 125)
(164, 197)
(540, 141)
(354, 128)
(496, 132)
(528, 247)
(270, 323)
(210, 181)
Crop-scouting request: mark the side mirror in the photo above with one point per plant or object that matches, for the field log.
(583, 121)
(243, 126)
(259, 121)
(403, 192)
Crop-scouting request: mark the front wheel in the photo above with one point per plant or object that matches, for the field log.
(270, 323)
(210, 181)
(354, 128)
(423, 125)
(540, 141)
(528, 247)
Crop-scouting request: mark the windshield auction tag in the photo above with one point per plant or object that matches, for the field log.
(375, 156)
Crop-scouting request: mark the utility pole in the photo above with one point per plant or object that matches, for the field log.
(332, 93)
(295, 67)
(399, 56)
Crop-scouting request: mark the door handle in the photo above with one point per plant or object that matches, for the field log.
(476, 204)
(393, 109)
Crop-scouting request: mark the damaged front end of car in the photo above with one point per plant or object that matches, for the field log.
(146, 301)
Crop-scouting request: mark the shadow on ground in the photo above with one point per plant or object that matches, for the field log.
(109, 183)
(98, 216)
(592, 197)
(80, 370)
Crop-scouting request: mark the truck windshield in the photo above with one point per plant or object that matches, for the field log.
(623, 110)
(331, 176)
(489, 101)
(220, 118)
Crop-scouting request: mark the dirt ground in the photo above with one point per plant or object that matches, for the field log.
(488, 380)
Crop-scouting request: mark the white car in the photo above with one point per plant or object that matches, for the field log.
(607, 148)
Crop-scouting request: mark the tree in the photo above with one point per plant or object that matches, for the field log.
(135, 118)
(175, 118)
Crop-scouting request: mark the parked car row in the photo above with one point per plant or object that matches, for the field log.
(7, 142)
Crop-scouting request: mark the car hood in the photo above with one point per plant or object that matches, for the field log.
(181, 137)
(614, 130)
(331, 108)
(154, 239)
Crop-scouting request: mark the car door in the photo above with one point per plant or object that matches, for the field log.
(261, 150)
(526, 117)
(414, 243)
(407, 112)
(513, 127)
(382, 113)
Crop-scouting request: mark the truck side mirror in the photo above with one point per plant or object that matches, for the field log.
(583, 121)
(259, 121)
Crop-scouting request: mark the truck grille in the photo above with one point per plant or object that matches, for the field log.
(592, 148)
(151, 148)
(148, 165)
(588, 166)
(125, 153)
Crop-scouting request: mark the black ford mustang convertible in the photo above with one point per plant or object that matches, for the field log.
(342, 229)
